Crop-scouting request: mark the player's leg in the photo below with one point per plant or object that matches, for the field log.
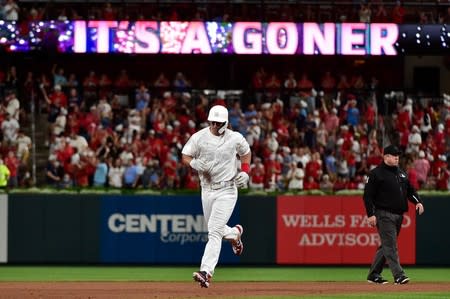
(222, 207)
(231, 233)
(203, 277)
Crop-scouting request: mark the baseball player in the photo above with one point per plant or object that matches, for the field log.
(213, 152)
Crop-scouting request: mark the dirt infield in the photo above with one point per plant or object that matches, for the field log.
(128, 290)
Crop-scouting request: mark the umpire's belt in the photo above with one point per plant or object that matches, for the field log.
(219, 185)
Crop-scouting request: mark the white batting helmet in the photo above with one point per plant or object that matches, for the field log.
(219, 114)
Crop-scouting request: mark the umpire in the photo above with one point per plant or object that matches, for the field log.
(386, 196)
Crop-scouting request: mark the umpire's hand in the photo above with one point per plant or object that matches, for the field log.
(372, 221)
(419, 208)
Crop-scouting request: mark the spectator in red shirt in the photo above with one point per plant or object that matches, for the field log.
(108, 12)
(380, 14)
(439, 139)
(90, 82)
(412, 176)
(104, 85)
(73, 119)
(258, 79)
(64, 153)
(310, 184)
(314, 167)
(398, 13)
(170, 171)
(331, 120)
(443, 177)
(272, 86)
(257, 174)
(341, 183)
(91, 119)
(161, 83)
(57, 98)
(374, 159)
(369, 115)
(328, 83)
(305, 86)
(438, 164)
(404, 120)
(273, 172)
(191, 181)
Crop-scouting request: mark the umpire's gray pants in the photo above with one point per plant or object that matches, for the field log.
(388, 225)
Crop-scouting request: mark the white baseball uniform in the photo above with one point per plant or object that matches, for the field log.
(219, 192)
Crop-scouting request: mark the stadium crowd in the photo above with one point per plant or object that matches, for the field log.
(305, 134)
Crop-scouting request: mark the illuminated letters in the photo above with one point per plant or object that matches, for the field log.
(282, 38)
(196, 40)
(350, 38)
(148, 38)
(102, 34)
(383, 38)
(79, 37)
(275, 38)
(247, 38)
(313, 36)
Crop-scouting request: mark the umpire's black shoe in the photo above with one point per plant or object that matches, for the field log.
(402, 280)
(377, 280)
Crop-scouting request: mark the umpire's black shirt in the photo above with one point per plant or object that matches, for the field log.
(388, 188)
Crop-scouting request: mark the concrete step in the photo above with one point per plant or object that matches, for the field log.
(41, 150)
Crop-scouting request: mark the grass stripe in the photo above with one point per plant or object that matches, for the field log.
(368, 296)
(223, 273)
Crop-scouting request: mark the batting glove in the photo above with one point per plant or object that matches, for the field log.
(199, 165)
(241, 180)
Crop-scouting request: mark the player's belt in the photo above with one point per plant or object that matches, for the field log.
(220, 185)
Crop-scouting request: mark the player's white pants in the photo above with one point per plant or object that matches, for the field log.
(218, 206)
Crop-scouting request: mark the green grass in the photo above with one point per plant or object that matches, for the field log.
(228, 273)
(223, 273)
(365, 296)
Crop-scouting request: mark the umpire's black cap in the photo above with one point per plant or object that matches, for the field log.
(392, 150)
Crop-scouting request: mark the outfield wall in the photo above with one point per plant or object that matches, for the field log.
(163, 230)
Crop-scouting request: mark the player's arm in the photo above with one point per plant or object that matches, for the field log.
(186, 159)
(245, 160)
(196, 164)
(242, 177)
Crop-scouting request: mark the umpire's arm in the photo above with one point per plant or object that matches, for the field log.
(370, 190)
(414, 197)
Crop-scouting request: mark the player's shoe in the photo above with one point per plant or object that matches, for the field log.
(203, 278)
(402, 280)
(377, 280)
(237, 244)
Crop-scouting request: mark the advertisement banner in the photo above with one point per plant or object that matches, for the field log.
(238, 38)
(333, 230)
(159, 229)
